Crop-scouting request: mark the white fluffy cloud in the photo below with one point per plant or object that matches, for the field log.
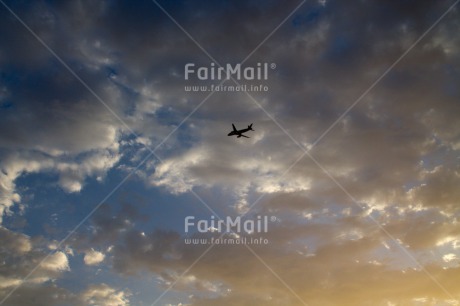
(56, 262)
(14, 242)
(206, 166)
(104, 295)
(449, 257)
(9, 282)
(93, 257)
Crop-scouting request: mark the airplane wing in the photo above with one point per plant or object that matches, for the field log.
(234, 128)
(244, 136)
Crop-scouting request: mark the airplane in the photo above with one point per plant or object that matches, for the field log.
(240, 132)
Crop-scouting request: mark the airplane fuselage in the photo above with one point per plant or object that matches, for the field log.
(240, 133)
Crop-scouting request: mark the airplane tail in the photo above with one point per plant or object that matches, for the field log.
(250, 127)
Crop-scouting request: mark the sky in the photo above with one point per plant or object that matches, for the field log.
(109, 144)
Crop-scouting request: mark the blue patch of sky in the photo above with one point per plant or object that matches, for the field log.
(45, 202)
(310, 17)
(341, 47)
(6, 105)
(443, 155)
(451, 87)
(169, 116)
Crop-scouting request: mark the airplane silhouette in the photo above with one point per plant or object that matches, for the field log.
(240, 132)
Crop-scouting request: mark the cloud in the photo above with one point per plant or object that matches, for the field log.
(20, 254)
(104, 295)
(8, 196)
(93, 257)
(229, 271)
(449, 257)
(14, 242)
(9, 282)
(227, 167)
(45, 295)
(438, 188)
(56, 262)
